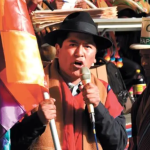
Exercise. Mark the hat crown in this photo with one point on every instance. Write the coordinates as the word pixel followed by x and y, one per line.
pixel 82 18
pixel 79 17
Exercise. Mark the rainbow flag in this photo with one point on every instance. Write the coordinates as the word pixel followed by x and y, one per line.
pixel 21 70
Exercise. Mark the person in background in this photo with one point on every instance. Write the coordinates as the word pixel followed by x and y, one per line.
pixel 140 113
pixel 76 43
pixel 131 59
pixel 56 4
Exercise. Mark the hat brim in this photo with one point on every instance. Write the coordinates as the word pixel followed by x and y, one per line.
pixel 101 42
pixel 139 46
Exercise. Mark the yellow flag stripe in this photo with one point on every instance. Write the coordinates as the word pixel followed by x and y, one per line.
pixel 23 63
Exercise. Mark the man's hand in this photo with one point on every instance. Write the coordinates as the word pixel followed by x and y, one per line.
pixel 91 94
pixel 47 110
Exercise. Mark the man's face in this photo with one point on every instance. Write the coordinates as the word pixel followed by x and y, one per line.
pixel 77 51
pixel 145 61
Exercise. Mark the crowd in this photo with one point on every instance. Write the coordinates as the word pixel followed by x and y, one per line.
pixel 64 52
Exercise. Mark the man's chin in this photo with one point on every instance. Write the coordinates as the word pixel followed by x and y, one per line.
pixel 76 74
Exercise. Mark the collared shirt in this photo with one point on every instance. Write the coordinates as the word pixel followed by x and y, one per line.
pixel 74 88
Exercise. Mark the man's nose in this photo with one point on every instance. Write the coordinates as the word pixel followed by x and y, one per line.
pixel 79 51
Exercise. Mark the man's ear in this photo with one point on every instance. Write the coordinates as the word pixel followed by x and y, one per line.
pixel 57 49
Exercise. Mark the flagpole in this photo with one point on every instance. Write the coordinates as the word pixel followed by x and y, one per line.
pixel 53 128
pixel 52 122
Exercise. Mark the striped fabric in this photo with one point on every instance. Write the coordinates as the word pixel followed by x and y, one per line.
pixel 21 70
pixel 5 142
pixel 129 133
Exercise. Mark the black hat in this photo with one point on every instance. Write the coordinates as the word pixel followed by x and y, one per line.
pixel 79 22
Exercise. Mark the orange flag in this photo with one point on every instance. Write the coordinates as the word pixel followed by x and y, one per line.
pixel 21 70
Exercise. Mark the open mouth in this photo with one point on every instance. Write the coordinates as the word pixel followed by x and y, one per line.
pixel 78 63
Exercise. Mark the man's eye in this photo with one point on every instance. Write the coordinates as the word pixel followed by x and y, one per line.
pixel 72 45
pixel 87 46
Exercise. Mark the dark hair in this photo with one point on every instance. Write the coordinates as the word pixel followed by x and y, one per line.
pixel 61 38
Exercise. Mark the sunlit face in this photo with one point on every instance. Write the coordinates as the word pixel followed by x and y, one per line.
pixel 145 61
pixel 77 51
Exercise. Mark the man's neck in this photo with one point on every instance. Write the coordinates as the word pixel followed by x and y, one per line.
pixel 75 82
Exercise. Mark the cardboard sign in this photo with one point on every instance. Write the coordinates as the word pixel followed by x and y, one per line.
pixel 100 72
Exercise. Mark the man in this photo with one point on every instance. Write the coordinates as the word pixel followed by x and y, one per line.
pixel 76 43
pixel 140 113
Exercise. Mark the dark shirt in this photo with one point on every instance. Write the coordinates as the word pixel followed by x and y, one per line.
pixel 140 116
